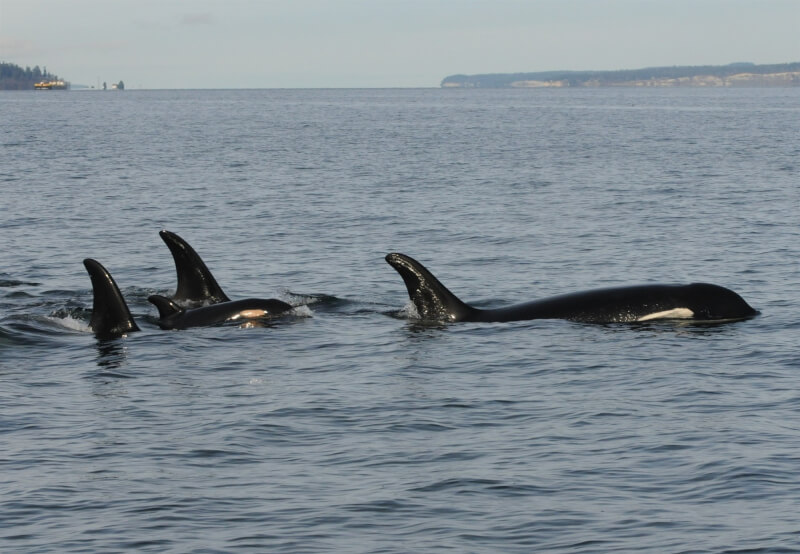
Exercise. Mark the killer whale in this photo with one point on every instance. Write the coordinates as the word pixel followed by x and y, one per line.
pixel 111 317
pixel 174 316
pixel 696 301
pixel 196 285
pixel 199 300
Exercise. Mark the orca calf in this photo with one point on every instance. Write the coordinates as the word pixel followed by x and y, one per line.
pixel 196 284
pixel 111 317
pixel 173 316
pixel 697 301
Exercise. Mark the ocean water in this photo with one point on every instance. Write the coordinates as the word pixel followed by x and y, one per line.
pixel 351 427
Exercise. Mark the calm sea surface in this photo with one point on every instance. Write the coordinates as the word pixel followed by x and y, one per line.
pixel 350 427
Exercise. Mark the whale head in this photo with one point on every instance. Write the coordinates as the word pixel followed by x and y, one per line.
pixel 713 302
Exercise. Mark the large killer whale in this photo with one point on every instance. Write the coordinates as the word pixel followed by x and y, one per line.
pixel 696 301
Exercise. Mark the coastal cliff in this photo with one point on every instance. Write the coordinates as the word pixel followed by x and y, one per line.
pixel 732 75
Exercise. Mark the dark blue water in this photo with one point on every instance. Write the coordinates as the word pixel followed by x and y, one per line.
pixel 350 428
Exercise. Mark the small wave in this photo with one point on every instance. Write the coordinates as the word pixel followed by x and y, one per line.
pixel 10 283
pixel 409 311
pixel 71 323
pixel 298 299
pixel 302 311
pixel 415 323
pixel 72 318
pixel 382 506
pixel 7 337
pixel 469 486
pixel 459 485
pixel 32 329
pixel 16 294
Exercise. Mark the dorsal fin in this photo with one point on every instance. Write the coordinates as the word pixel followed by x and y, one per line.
pixel 196 284
pixel 166 306
pixel 431 298
pixel 110 314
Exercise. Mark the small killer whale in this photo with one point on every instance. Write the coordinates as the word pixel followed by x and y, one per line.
pixel 174 316
pixel 196 285
pixel 696 301
pixel 111 317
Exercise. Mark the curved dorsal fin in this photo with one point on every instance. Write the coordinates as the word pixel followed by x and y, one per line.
pixel 431 298
pixel 111 317
pixel 166 306
pixel 196 284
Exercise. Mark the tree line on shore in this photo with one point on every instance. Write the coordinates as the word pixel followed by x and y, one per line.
pixel 14 77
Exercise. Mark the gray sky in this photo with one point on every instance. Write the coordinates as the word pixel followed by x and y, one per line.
pixel 381 43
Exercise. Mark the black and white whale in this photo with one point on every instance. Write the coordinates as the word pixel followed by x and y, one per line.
pixel 174 316
pixel 196 285
pixel 111 317
pixel 199 300
pixel 697 301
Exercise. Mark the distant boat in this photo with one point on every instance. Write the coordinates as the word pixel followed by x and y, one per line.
pixel 51 85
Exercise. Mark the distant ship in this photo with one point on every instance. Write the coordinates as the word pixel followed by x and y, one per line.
pixel 51 85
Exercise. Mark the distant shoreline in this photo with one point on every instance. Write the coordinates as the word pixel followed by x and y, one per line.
pixel 732 75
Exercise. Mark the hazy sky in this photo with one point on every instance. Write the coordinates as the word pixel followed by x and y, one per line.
pixel 381 43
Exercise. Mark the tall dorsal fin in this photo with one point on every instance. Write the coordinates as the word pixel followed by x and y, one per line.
pixel 431 298
pixel 166 306
pixel 110 314
pixel 196 284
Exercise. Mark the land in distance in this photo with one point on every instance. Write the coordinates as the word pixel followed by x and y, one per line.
pixel 732 75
